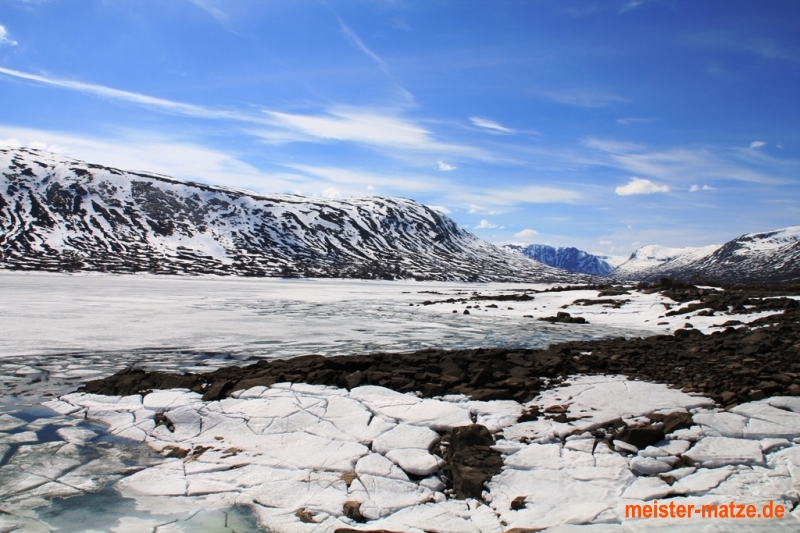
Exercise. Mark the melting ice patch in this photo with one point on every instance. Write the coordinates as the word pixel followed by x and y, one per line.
pixel 294 455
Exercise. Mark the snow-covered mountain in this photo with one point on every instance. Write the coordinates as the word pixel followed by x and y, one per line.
pixel 772 256
pixel 60 214
pixel 570 258
pixel 654 261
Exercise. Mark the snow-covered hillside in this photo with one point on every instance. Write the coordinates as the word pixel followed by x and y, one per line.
pixel 772 256
pixel 659 261
pixel 60 214
pixel 568 258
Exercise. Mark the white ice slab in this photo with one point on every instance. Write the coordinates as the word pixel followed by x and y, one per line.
pixel 308 449
pixel 719 451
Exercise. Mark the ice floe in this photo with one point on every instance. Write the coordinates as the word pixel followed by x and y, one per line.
pixel 315 458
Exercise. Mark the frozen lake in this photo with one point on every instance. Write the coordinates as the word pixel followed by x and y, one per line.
pixel 84 465
pixel 58 330
pixel 50 314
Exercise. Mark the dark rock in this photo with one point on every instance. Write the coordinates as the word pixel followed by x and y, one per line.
pixel 756 395
pixel 176 452
pixel 673 421
pixel 564 318
pixel 485 395
pixel 433 389
pixel 354 379
pixel 469 460
pixel 480 379
pixel 727 397
pixel 769 387
pixel 352 510
pixel 518 503
pixel 641 437
pixel 218 390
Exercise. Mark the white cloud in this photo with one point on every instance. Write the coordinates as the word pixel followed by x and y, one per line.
pixel 356 41
pixel 526 234
pixel 153 152
pixel 735 41
pixel 441 209
pixel 356 180
pixel 211 9
pixel 444 167
pixel 700 163
pixel 4 38
pixel 756 145
pixel 332 192
pixel 695 188
pixel 533 194
pixel 10 142
pixel 583 98
pixel 606 243
pixel 633 120
pixel 55 148
pixel 491 125
pixel 640 186
pixel 633 4
pixel 356 125
pixel 382 129
pixel 137 98
pixel 485 224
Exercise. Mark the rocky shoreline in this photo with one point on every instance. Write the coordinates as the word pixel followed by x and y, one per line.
pixel 739 363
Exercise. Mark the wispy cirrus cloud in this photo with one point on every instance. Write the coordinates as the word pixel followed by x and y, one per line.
pixel 486 200
pixel 633 4
pixel 209 7
pixel 133 97
pixel 505 197
pixel 156 152
pixel 358 44
pixel 490 125
pixel 366 126
pixel 634 120
pixel 735 42
pixel 384 129
pixel 4 38
pixel 358 125
pixel 356 181
pixel 677 165
pixel 582 98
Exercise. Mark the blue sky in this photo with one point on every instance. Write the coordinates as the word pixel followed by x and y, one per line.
pixel 605 125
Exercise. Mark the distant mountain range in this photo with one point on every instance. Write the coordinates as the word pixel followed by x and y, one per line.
pixel 771 256
pixel 570 259
pixel 60 214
